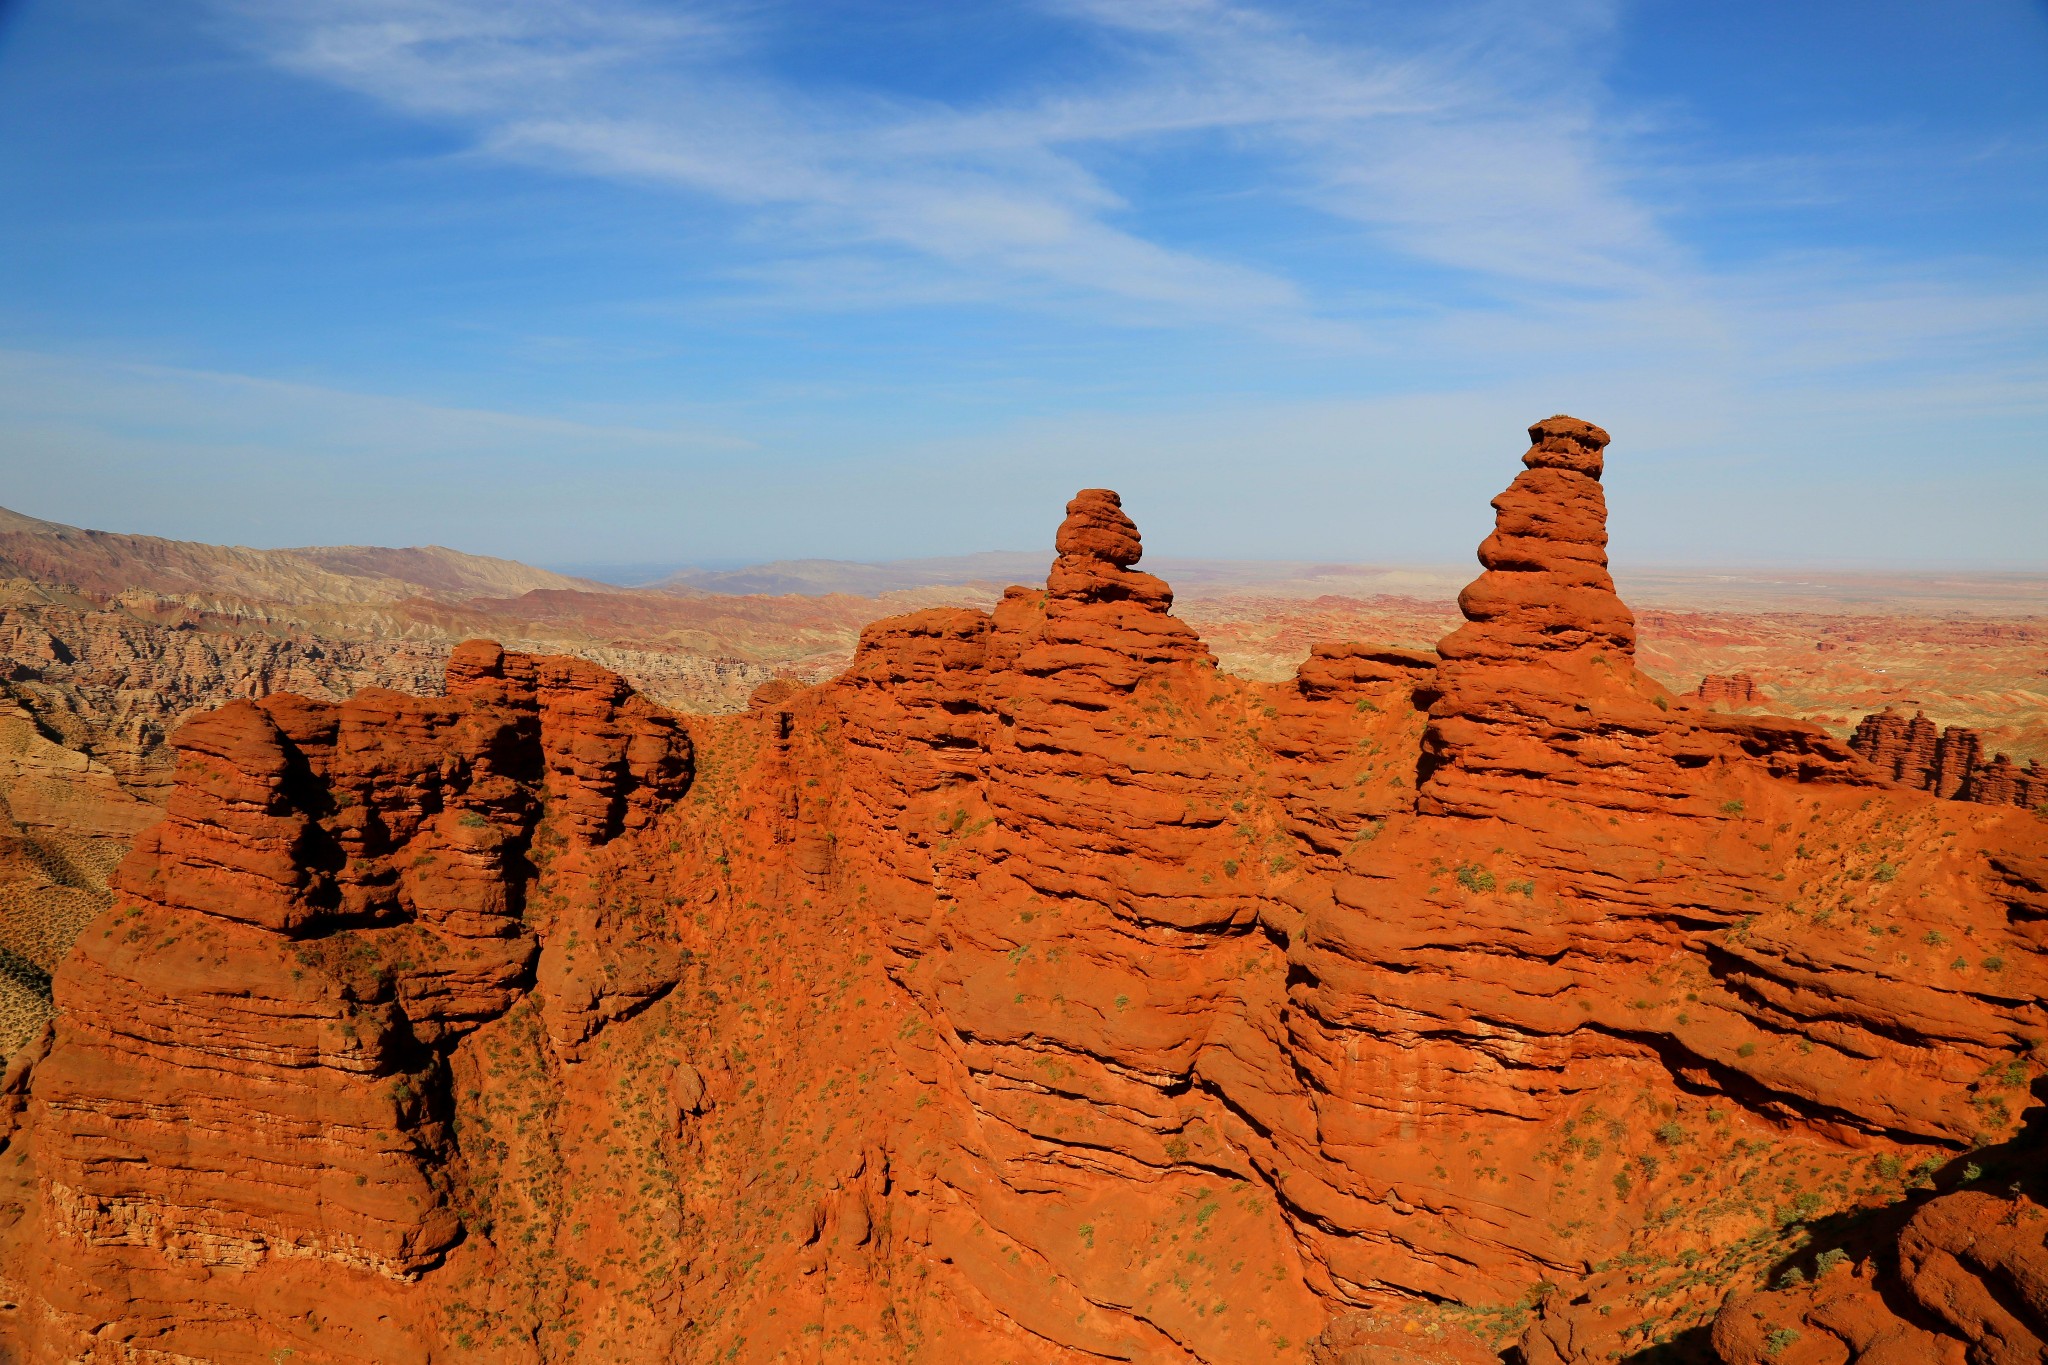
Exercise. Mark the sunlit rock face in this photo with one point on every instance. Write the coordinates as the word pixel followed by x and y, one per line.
pixel 1033 991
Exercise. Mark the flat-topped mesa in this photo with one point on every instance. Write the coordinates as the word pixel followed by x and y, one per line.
pixel 1546 586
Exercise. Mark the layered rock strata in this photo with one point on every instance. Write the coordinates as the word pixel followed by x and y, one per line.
pixel 90 688
pixel 1033 991
pixel 1730 691
pixel 247 1104
pixel 1950 764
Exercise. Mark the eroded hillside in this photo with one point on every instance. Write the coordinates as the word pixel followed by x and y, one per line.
pixel 1035 991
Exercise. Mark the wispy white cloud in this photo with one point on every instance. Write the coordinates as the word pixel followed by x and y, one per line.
pixel 609 89
pixel 1522 243
pixel 1477 140
pixel 1477 143
pixel 1450 148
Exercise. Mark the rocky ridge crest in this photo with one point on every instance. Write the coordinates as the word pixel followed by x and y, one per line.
pixel 1034 991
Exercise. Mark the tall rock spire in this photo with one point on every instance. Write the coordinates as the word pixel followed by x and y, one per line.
pixel 1099 622
pixel 1098 543
pixel 1546 586
pixel 1538 691
pixel 1539 700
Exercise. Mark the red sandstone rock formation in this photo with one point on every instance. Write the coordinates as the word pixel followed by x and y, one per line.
pixel 121 638
pixel 1033 991
pixel 1730 691
pixel 1397 1339
pixel 1961 1283
pixel 1950 765
pixel 2002 782
pixel 1903 750
pixel 246 1104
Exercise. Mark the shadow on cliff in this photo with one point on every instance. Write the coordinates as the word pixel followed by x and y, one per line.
pixel 1693 1346
pixel 2013 1168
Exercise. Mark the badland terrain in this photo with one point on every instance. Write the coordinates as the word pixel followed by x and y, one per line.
pixel 1034 974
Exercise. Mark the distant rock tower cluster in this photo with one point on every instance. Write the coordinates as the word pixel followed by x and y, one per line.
pixel 1950 763
pixel 1729 691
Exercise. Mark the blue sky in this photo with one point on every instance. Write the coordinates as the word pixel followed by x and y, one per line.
pixel 673 282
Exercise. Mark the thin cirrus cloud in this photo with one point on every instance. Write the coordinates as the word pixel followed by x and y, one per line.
pixel 1491 173
pixel 784 289
pixel 1479 144
pixel 1464 149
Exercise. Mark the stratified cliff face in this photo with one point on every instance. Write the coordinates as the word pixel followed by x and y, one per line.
pixel 86 702
pixel 1035 992
pixel 248 1092
pixel 92 683
pixel 1729 690
pixel 1950 763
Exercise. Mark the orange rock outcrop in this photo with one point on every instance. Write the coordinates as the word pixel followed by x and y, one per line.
pixel 1949 764
pixel 1729 690
pixel 1033 991
pixel 1959 1283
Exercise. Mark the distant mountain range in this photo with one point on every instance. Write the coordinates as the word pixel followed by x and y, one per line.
pixel 997 569
pixel 106 562
pixel 1767 588
pixel 818 577
pixel 110 561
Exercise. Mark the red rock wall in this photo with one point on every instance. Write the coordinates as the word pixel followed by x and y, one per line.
pixel 1950 765
pixel 1032 991
pixel 245 1115
pixel 1731 691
